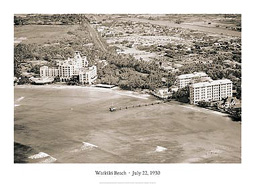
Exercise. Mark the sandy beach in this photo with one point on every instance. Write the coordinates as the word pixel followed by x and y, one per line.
pixel 113 90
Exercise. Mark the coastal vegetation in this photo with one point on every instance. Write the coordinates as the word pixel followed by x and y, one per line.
pixel 182 95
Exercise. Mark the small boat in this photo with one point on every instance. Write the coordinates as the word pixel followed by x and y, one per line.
pixel 112 109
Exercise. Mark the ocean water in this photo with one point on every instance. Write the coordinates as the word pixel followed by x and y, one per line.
pixel 54 124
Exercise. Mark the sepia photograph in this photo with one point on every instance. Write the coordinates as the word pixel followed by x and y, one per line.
pixel 127 88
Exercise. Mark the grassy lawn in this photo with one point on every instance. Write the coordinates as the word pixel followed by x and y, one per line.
pixel 41 34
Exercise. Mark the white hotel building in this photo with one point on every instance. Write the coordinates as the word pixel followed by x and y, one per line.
pixel 88 75
pixel 75 66
pixel 210 91
pixel 45 71
pixel 185 79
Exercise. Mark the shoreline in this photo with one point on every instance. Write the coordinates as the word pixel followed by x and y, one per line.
pixel 202 109
pixel 116 90
pixel 121 92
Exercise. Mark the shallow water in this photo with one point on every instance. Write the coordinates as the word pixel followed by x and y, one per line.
pixel 74 125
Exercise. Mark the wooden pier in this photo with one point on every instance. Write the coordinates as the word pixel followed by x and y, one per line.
pixel 135 106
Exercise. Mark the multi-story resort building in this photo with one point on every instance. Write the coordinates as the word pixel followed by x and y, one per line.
pixel 210 91
pixel 186 79
pixel 45 71
pixel 77 66
pixel 88 75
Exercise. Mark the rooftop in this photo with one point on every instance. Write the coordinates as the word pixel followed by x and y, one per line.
pixel 191 75
pixel 87 69
pixel 211 83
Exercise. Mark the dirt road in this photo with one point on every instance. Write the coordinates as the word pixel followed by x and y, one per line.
pixel 94 35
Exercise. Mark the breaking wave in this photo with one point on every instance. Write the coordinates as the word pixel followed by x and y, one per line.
pixel 160 149
pixel 87 145
pixel 49 160
pixel 40 155
pixel 19 99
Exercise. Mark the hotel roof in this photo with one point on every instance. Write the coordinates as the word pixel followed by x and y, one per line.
pixel 87 69
pixel 191 75
pixel 211 83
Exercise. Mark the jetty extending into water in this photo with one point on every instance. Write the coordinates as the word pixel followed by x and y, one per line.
pixel 112 108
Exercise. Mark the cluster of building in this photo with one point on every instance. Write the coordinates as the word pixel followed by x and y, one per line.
pixel 186 79
pixel 66 69
pixel 203 88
